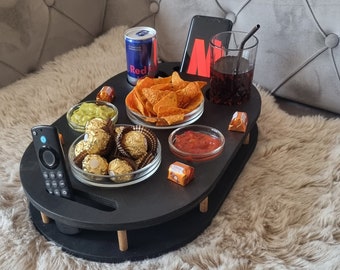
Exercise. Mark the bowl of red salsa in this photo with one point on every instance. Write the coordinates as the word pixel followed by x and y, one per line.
pixel 196 142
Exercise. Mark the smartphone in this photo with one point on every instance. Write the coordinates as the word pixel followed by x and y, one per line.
pixel 196 56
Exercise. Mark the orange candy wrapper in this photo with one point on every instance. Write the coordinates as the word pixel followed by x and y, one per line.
pixel 239 122
pixel 180 173
pixel 107 94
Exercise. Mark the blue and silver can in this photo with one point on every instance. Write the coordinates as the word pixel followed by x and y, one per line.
pixel 141 53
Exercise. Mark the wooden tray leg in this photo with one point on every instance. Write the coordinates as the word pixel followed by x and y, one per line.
pixel 246 139
pixel 122 240
pixel 45 219
pixel 204 205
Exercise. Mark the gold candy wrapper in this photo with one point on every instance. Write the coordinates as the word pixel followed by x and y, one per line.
pixel 95 123
pixel 95 141
pixel 239 122
pixel 118 168
pixel 80 147
pixel 95 164
pixel 135 144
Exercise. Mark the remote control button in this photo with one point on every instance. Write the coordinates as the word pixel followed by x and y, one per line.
pixel 56 192
pixel 54 184
pixel 48 184
pixel 52 175
pixel 45 175
pixel 49 158
pixel 60 174
pixel 62 184
pixel 64 192
pixel 43 139
pixel 50 190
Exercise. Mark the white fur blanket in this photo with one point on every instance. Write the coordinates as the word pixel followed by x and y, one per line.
pixel 282 213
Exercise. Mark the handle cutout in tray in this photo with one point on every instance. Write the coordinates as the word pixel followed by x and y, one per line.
pixel 94 201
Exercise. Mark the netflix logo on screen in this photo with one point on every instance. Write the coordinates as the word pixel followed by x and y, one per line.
pixel 196 58
pixel 199 63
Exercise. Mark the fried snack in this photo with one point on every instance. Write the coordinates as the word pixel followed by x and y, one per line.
pixel 239 122
pixel 165 101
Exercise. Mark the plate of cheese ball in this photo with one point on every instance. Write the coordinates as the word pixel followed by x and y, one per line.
pixel 110 155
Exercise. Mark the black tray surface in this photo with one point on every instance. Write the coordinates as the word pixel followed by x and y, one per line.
pixel 154 205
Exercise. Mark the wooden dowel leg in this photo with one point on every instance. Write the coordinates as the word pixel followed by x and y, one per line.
pixel 45 219
pixel 246 139
pixel 122 240
pixel 204 205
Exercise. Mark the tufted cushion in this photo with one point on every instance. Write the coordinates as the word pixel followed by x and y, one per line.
pixel 298 56
pixel 172 24
pixel 33 32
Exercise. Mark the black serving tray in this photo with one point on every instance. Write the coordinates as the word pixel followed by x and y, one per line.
pixel 157 214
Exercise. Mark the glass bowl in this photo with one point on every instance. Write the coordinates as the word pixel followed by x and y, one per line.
pixel 159 123
pixel 196 143
pixel 94 109
pixel 108 181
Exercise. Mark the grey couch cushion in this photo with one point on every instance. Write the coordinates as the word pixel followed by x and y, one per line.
pixel 33 32
pixel 298 55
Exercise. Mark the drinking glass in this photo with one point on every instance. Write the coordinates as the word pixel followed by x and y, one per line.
pixel 231 67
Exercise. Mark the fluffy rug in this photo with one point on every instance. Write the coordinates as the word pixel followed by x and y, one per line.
pixel 282 213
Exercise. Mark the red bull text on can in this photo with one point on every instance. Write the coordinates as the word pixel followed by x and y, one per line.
pixel 141 53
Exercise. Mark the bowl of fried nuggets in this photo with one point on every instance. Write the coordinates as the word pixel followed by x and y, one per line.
pixel 166 102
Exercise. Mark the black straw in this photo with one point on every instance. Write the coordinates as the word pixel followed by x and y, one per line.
pixel 252 32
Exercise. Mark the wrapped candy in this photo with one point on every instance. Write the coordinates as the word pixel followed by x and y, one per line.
pixel 239 122
pixel 95 123
pixel 180 173
pixel 119 168
pixel 95 164
pixel 135 144
pixel 107 93
pixel 96 141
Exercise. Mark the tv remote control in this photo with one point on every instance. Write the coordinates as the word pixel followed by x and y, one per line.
pixel 51 160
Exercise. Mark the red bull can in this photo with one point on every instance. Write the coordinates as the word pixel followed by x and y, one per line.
pixel 141 53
